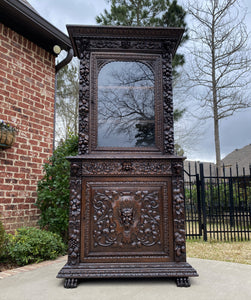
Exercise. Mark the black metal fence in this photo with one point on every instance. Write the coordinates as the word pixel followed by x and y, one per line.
pixel 218 205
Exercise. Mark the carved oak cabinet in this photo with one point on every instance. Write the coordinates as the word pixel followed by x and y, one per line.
pixel 126 186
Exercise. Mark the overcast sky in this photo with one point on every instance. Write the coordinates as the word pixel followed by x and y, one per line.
pixel 235 131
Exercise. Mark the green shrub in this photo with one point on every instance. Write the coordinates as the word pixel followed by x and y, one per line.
pixel 54 189
pixel 2 238
pixel 32 245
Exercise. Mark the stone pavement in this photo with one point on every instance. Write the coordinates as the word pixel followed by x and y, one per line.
pixel 217 280
pixel 27 268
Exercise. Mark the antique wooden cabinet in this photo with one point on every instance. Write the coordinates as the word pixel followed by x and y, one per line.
pixel 126 187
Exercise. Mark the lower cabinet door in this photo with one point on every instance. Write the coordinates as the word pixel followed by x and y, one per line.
pixel 126 220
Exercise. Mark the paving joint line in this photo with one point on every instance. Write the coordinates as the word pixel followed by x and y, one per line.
pixel 27 268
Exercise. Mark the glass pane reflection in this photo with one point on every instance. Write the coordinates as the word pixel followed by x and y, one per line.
pixel 126 105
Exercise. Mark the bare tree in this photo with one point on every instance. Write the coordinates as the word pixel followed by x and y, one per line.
pixel 67 101
pixel 221 60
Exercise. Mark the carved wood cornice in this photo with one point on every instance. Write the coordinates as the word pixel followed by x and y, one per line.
pixel 120 38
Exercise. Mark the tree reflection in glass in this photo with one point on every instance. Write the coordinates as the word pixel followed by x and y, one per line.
pixel 126 105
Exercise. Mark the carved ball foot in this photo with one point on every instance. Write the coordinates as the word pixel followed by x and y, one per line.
pixel 183 282
pixel 70 283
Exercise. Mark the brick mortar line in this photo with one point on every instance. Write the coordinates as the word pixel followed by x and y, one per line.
pixel 27 268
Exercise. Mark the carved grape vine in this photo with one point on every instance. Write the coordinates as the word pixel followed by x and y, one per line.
pixel 84 98
pixel 178 213
pixel 168 103
pixel 74 217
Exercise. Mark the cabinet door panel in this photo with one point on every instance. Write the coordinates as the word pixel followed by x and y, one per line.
pixel 125 218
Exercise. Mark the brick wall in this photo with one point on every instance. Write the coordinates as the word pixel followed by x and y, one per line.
pixel 27 75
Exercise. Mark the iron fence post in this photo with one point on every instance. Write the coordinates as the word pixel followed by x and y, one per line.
pixel 203 202
pixel 198 185
pixel 231 202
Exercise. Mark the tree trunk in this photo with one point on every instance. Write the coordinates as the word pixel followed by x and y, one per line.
pixel 217 145
pixel 215 100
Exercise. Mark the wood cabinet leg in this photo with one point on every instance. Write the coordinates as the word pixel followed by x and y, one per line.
pixel 183 282
pixel 70 283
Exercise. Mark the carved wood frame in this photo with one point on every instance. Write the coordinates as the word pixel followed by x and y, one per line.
pixel 88 49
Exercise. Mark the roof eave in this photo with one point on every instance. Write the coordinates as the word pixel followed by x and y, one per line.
pixel 31 25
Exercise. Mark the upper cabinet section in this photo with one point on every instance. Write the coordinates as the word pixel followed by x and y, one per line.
pixel 125 100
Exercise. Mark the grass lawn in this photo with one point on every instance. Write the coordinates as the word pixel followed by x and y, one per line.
pixel 237 252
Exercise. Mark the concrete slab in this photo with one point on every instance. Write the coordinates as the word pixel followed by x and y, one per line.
pixel 217 280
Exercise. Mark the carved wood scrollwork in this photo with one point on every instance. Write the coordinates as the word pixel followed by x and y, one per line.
pixel 168 103
pixel 169 46
pixel 126 218
pixel 121 44
pixel 178 214
pixel 74 217
pixel 118 167
pixel 84 98
pixel 92 44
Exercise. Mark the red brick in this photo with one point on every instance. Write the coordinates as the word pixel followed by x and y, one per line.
pixel 31 188
pixel 19 187
pixel 26 71
pixel 6 201
pixel 5 187
pixel 24 206
pixel 18 200
pixel 9 220
pixel 7 162
pixel 21 152
pixel 19 175
pixel 11 207
pixel 11 180
pixel 19 163
pixel 25 170
pixel 12 169
pixel 4 93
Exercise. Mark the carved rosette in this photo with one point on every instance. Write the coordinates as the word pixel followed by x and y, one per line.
pixel 168 103
pixel 84 98
pixel 76 170
pixel 126 218
pixel 74 217
pixel 179 213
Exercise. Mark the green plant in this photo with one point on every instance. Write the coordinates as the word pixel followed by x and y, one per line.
pixel 7 134
pixel 7 127
pixel 54 190
pixel 32 245
pixel 2 238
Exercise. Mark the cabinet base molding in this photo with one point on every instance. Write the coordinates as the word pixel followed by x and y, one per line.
pixel 179 271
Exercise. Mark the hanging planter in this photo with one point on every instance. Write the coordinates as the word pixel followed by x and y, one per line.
pixel 7 135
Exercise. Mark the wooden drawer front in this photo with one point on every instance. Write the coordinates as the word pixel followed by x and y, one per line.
pixel 126 218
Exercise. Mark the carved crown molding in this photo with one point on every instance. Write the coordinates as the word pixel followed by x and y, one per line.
pixel 124 44
pixel 124 38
